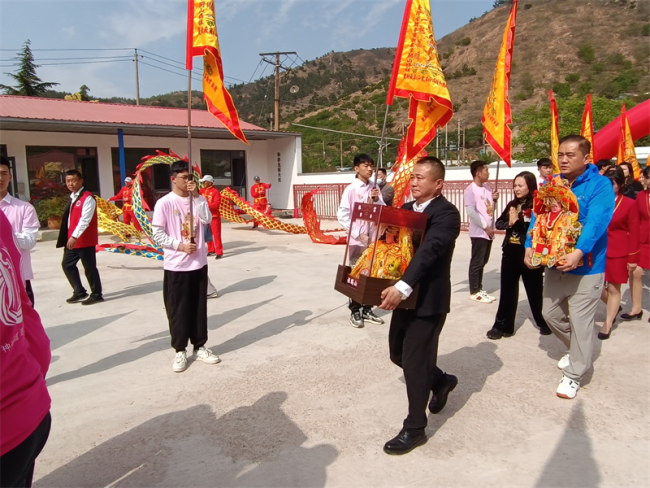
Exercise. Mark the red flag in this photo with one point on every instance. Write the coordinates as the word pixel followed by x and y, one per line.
pixel 417 75
pixel 202 40
pixel 587 130
pixel 555 134
pixel 497 114
pixel 626 152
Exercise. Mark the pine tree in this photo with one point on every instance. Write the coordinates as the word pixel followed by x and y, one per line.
pixel 29 85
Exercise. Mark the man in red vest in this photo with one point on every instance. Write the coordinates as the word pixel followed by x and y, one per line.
pixel 260 202
pixel 126 195
pixel 213 197
pixel 78 237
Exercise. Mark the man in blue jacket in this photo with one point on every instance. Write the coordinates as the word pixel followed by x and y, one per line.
pixel 572 289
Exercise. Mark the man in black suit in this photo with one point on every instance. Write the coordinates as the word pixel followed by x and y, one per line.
pixel 413 336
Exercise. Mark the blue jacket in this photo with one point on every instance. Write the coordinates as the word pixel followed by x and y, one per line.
pixel 596 198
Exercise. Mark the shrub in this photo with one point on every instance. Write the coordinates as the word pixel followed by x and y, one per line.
pixel 562 90
pixel 528 6
pixel 51 207
pixel 572 77
pixel 465 41
pixel 645 30
pixel 616 59
pixel 598 67
pixel 448 53
pixel 585 89
pixel 586 53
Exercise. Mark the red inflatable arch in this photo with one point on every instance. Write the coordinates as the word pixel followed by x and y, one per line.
pixel 606 139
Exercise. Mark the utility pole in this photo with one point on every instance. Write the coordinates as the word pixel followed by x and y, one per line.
pixel 464 140
pixel 341 147
pixel 137 79
pixel 276 63
pixel 458 146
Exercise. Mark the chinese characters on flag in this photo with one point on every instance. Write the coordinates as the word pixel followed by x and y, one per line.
pixel 202 40
pixel 496 114
pixel 417 75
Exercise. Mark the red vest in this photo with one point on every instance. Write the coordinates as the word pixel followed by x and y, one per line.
pixel 90 235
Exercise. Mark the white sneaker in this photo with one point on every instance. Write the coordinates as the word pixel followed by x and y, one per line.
pixel 564 362
pixel 484 294
pixel 204 354
pixel 213 295
pixel 477 297
pixel 567 388
pixel 180 362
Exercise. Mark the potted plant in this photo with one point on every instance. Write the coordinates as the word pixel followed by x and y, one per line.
pixel 51 209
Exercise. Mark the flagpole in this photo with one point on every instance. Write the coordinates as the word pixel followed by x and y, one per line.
pixel 496 188
pixel 189 148
pixel 381 141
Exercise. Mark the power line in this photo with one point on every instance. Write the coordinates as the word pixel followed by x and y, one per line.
pixel 170 71
pixel 75 49
pixel 39 60
pixel 68 63
pixel 343 132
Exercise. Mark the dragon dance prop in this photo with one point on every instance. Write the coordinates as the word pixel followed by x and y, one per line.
pixel 108 215
pixel 556 230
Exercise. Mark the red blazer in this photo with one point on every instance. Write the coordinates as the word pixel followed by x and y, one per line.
pixel 213 197
pixel 623 230
pixel 643 204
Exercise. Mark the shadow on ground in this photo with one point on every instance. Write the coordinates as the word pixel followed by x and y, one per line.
pixel 257 445
pixel 472 366
pixel 136 290
pixel 247 284
pixel 60 335
pixel 572 462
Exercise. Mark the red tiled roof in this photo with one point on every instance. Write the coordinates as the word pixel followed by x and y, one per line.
pixel 36 108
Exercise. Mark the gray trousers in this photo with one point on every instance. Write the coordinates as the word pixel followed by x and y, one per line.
pixel 569 308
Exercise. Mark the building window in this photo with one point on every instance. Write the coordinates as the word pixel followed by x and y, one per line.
pixel 155 179
pixel 46 166
pixel 228 168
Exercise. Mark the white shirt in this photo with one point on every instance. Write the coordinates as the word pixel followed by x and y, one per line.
pixel 401 286
pixel 87 212
pixel 355 192
pixel 25 225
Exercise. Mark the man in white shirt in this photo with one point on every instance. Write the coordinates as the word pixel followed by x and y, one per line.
pixel 545 169
pixel 23 220
pixel 361 190
pixel 78 237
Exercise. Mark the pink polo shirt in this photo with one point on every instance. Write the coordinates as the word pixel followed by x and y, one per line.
pixel 24 351
pixel 25 225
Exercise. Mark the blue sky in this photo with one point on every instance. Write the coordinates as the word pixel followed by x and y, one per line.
pixel 245 27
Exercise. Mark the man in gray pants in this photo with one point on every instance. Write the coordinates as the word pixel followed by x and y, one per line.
pixel 572 289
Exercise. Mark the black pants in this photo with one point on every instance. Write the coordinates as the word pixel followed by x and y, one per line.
pixel 480 257
pixel 185 294
pixel 355 253
pixel 17 465
pixel 512 268
pixel 30 292
pixel 413 343
pixel 88 257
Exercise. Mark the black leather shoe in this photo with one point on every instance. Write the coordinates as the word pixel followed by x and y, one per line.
pixel 405 442
pixel 77 297
pixel 440 393
pixel 496 334
pixel 93 299
pixel 636 316
pixel 219 256
pixel 545 330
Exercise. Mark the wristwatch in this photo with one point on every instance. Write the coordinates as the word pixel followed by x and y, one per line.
pixel 402 295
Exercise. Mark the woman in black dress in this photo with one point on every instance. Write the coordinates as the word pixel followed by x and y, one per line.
pixel 515 220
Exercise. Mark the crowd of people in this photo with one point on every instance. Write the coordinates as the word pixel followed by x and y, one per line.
pixel 613 249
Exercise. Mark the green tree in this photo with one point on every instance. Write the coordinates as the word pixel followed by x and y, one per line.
pixel 586 53
pixel 29 85
pixel 534 123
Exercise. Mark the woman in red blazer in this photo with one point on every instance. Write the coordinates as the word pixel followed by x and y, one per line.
pixel 622 249
pixel 636 275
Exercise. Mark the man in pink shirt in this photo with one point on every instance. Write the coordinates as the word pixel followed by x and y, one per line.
pixel 24 359
pixel 479 205
pixel 24 223
pixel 185 285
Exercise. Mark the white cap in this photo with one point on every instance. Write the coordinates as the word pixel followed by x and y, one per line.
pixel 207 178
pixel 128 179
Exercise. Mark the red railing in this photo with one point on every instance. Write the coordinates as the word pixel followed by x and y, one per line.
pixel 327 203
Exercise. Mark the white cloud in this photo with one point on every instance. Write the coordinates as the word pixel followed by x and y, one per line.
pixel 146 21
pixel 68 30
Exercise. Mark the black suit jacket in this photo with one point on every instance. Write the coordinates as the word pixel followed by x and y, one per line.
pixel 431 264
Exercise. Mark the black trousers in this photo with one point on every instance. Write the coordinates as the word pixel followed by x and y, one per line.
pixel 480 257
pixel 17 465
pixel 413 344
pixel 185 294
pixel 355 253
pixel 88 257
pixel 512 268
pixel 30 292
